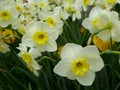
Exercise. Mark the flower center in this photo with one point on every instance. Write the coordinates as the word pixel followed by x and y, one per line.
pixel 80 66
pixel 111 1
pixel 42 4
pixel 5 15
pixel 86 2
pixel 95 22
pixel 69 9
pixel 50 21
pixel 40 37
pixel 18 8
pixel 26 57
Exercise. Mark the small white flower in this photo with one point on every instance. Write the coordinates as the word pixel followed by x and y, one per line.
pixel 79 63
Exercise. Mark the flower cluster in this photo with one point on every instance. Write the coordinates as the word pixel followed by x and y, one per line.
pixel 41 22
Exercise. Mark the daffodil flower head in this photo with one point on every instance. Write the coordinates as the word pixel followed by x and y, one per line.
pixel 8 14
pixel 40 36
pixel 79 63
pixel 106 4
pixel 28 56
pixel 52 18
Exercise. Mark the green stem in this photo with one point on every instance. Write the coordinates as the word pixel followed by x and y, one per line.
pixel 110 52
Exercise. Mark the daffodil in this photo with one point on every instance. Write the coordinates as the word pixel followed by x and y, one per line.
pixel 85 3
pixel 106 4
pixel 61 12
pixel 106 21
pixel 39 35
pixel 43 4
pixel 8 14
pixel 29 58
pixel 51 18
pixel 79 63
pixel 74 10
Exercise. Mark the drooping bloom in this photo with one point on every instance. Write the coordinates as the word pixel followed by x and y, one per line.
pixel 79 63
pixel 105 21
pixel 28 56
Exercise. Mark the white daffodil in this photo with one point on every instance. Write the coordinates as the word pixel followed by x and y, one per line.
pixel 8 13
pixel 73 10
pixel 79 63
pixel 29 58
pixel 106 4
pixel 62 13
pixel 19 6
pixel 43 4
pixel 106 20
pixel 97 20
pixel 39 35
pixel 52 19
pixel 85 3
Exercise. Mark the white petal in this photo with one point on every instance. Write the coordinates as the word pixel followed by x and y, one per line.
pixel 87 79
pixel 53 34
pixel 92 56
pixel 34 52
pixel 87 23
pixel 62 68
pixel 70 50
pixel 104 36
pixel 36 73
pixel 22 47
pixel 70 75
pixel 116 31
pixel 35 65
pixel 51 46
pixel 27 40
